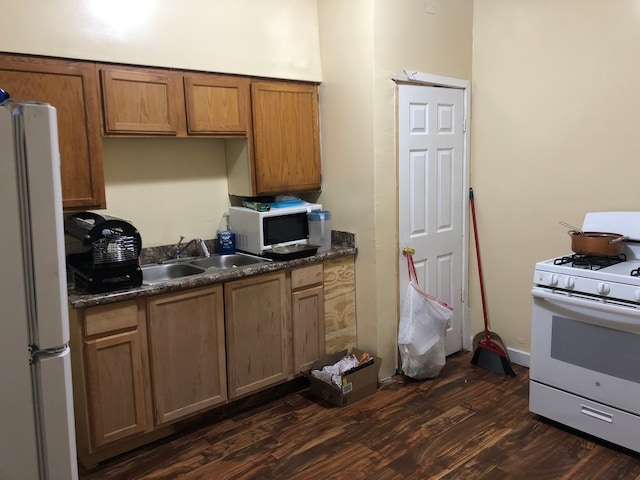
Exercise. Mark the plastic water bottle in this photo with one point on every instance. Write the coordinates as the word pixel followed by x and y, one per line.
pixel 226 237
pixel 320 229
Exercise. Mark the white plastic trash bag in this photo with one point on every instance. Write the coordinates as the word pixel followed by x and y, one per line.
pixel 424 320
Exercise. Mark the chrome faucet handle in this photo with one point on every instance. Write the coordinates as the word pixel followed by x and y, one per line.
pixel 178 247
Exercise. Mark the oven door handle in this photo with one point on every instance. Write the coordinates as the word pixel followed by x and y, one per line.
pixel 579 302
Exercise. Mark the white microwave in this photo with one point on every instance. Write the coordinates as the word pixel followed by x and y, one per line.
pixel 258 231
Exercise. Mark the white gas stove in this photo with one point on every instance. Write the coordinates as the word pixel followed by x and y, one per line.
pixel 585 337
pixel 607 277
pixel 608 282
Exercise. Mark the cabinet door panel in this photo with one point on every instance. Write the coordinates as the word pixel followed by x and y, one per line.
pixel 143 102
pixel 217 105
pixel 116 388
pixel 257 315
pixel 186 336
pixel 340 304
pixel 72 88
pixel 286 137
pixel 308 327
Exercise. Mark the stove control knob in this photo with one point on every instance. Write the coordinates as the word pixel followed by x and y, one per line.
pixel 553 280
pixel 603 289
pixel 570 282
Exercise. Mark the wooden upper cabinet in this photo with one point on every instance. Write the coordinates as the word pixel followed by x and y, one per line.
pixel 142 101
pixel 286 137
pixel 72 88
pixel 217 104
pixel 146 101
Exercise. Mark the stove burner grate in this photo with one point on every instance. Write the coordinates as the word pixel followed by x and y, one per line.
pixel 635 272
pixel 591 262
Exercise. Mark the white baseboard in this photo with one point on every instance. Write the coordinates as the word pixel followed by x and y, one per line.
pixel 519 357
pixel 515 356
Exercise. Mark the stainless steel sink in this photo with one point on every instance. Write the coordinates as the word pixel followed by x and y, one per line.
pixel 227 261
pixel 164 272
pixel 152 274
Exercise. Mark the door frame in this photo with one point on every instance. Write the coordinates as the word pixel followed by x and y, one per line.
pixel 413 77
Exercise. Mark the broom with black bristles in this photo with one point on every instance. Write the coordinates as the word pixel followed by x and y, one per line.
pixel 490 352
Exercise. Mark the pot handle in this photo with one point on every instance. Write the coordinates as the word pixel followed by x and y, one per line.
pixel 571 228
pixel 619 239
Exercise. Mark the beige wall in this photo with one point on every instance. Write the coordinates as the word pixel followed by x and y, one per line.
pixel 167 187
pixel 278 38
pixel 555 116
pixel 363 45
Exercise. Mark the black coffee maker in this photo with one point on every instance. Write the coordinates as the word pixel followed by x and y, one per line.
pixel 109 253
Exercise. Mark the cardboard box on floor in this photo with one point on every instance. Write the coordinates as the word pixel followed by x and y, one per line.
pixel 355 385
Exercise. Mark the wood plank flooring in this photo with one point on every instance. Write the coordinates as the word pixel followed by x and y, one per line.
pixel 468 423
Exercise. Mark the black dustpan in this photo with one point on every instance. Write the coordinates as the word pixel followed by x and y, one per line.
pixel 490 351
pixel 490 355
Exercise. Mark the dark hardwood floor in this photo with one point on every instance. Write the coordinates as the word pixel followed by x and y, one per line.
pixel 468 423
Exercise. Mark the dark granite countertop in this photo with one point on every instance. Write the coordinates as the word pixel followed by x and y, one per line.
pixel 82 299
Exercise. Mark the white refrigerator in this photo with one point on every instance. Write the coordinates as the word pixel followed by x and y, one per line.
pixel 37 435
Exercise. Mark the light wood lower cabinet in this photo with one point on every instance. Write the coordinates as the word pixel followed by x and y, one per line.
pixel 307 316
pixel 186 343
pixel 140 366
pixel 110 372
pixel 257 314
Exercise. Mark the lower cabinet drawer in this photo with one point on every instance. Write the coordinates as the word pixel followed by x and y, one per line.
pixel 306 276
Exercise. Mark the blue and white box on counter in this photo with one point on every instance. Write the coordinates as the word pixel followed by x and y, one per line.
pixel 259 231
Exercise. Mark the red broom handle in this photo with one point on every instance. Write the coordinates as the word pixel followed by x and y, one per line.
pixel 475 235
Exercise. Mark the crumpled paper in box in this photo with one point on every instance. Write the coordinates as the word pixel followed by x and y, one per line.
pixel 333 373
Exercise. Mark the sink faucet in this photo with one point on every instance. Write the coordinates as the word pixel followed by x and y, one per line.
pixel 179 249
pixel 203 247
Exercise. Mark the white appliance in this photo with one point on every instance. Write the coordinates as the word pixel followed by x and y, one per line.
pixel 585 337
pixel 37 436
pixel 259 231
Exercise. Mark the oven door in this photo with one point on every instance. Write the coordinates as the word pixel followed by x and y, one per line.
pixel 586 346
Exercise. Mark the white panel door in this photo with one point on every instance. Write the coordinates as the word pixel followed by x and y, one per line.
pixel 430 184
